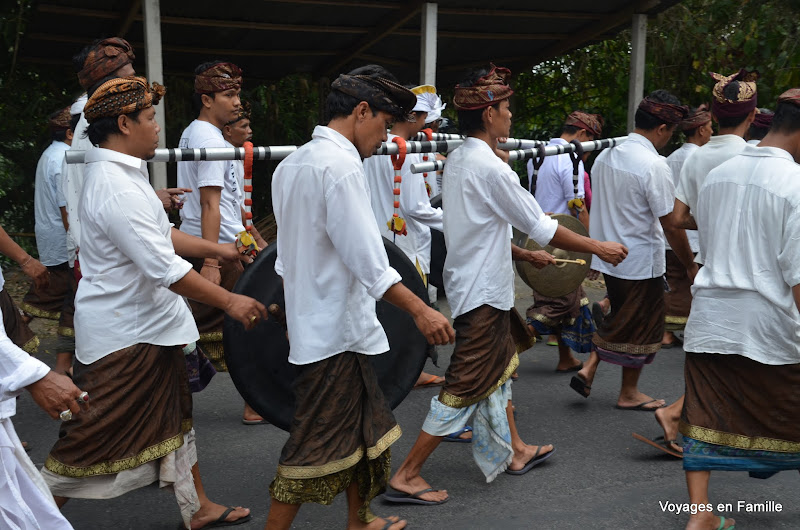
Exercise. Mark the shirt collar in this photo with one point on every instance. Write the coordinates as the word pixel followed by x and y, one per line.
pixel 99 154
pixel 558 141
pixel 325 132
pixel 774 152
pixel 639 139
pixel 726 139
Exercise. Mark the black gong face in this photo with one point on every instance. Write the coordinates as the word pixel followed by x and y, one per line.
pixel 438 250
pixel 258 360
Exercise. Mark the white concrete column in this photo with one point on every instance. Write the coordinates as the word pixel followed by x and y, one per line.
pixel 427 60
pixel 151 14
pixel 638 49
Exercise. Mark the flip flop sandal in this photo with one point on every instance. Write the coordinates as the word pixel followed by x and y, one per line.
pixel 575 368
pixel 430 382
pixel 533 462
pixel 220 522
pixel 660 443
pixel 579 385
pixel 455 437
pixel 640 406
pixel 399 497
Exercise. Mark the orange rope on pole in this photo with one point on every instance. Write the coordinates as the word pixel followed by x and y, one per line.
pixel 397 224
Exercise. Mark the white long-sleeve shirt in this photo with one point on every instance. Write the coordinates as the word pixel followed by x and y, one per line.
pixel 330 253
pixel 415 205
pixel 128 263
pixel 748 216
pixel 481 197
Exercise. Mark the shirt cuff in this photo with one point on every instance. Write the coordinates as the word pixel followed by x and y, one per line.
pixel 544 230
pixel 176 271
pixel 27 372
pixel 386 280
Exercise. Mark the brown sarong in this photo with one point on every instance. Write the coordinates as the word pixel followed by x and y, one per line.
pixel 631 335
pixel 16 328
pixel 679 297
pixel 555 312
pixel 488 341
pixel 140 409
pixel 341 432
pixel 210 319
pixel 737 402
pixel 57 302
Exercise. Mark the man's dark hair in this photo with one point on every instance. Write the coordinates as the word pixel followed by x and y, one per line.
pixel 730 122
pixel 79 59
pixel 786 119
pixel 648 122
pixel 471 121
pixel 572 129
pixel 341 105
pixel 756 133
pixel 73 121
pixel 197 99
pixel 60 135
pixel 99 131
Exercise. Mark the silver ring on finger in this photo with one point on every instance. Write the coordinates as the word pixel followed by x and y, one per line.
pixel 66 415
pixel 83 398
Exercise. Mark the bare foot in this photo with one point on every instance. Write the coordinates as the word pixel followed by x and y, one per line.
pixel 380 523
pixel 670 426
pixel 584 375
pixel 524 455
pixel 412 485
pixel 646 402
pixel 211 511
pixel 426 379
pixel 250 415
pixel 565 365
pixel 552 340
pixel 707 521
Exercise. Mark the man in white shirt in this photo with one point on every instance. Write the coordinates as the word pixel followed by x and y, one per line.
pixel 132 322
pixel 734 108
pixel 632 201
pixel 334 268
pixel 567 320
pixel 27 502
pixel 743 335
pixel 697 130
pixel 213 210
pixel 481 198
pixel 56 301
pixel 414 203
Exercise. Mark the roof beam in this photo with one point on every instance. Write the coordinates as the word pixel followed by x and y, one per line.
pixel 484 36
pixel 340 3
pixel 193 49
pixel 589 32
pixel 393 21
pixel 515 13
pixel 127 22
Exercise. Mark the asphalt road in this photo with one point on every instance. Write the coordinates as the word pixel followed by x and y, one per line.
pixel 599 478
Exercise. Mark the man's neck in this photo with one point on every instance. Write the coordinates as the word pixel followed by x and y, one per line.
pixel 117 143
pixel 695 141
pixel 788 143
pixel 568 137
pixel 650 135
pixel 735 131
pixel 486 137
pixel 205 115
pixel 404 130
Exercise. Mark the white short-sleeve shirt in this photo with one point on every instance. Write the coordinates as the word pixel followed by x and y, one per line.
pixel 221 174
pixel 748 216
pixel 675 162
pixel 554 186
pixel 482 198
pixel 631 189
pixel 51 237
pixel 330 253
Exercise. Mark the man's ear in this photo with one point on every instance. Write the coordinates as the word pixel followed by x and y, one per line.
pixel 362 111
pixel 70 134
pixel 123 123
pixel 206 100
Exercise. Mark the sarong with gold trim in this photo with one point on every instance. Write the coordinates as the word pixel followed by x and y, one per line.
pixel 477 382
pixel 631 334
pixel 740 415
pixel 567 316
pixel 679 297
pixel 56 302
pixel 139 411
pixel 210 319
pixel 16 328
pixel 341 432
